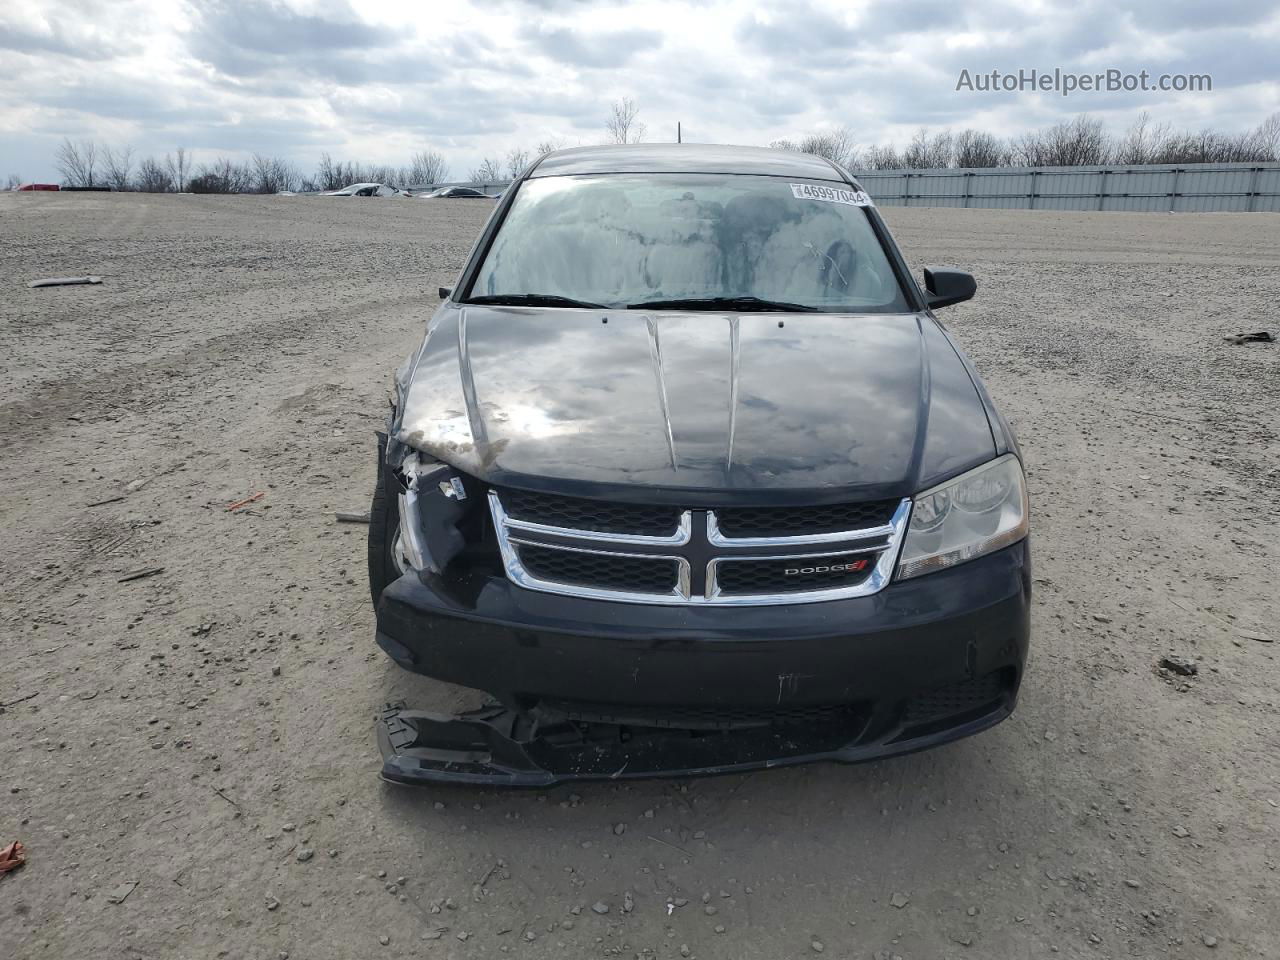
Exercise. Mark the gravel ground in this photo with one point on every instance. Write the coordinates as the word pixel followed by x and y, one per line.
pixel 197 744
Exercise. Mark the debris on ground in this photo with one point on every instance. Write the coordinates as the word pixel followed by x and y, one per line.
pixel 1258 336
pixel 139 574
pixel 899 900
pixel 247 500
pixel 12 857
pixel 1183 666
pixel 63 282
pixel 344 517
pixel 121 893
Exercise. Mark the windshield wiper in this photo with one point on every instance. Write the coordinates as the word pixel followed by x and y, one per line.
pixel 533 300
pixel 724 303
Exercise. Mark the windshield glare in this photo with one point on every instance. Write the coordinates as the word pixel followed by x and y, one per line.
pixel 624 239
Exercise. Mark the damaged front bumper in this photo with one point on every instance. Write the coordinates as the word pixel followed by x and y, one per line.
pixel 587 694
pixel 496 746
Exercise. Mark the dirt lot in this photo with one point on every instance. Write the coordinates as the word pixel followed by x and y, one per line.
pixel 199 731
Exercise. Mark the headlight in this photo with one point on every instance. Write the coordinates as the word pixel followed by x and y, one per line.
pixel 974 514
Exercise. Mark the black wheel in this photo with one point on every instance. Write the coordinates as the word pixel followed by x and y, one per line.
pixel 385 562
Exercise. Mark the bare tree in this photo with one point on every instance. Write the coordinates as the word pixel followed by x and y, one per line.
pixel 153 177
pixel 117 166
pixel 178 165
pixel 517 160
pixel 272 174
pixel 223 176
pixel 977 148
pixel 76 161
pixel 882 157
pixel 1267 138
pixel 549 145
pixel 1071 143
pixel 14 182
pixel 489 171
pixel 427 166
pixel 326 176
pixel 622 125
pixel 929 151
pixel 837 145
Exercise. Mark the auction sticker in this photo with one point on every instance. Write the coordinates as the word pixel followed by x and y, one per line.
pixel 813 191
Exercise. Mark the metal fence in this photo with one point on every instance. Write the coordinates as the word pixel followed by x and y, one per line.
pixel 1190 187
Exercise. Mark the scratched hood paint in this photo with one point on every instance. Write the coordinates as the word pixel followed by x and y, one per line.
pixel 693 406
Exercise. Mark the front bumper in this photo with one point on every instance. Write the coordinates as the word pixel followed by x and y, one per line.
pixel 596 689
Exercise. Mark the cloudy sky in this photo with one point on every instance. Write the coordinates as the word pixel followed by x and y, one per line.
pixel 375 80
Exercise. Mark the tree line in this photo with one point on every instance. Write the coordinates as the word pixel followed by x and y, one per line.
pixel 84 163
pixel 1079 141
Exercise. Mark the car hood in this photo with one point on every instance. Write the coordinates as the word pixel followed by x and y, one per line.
pixel 692 406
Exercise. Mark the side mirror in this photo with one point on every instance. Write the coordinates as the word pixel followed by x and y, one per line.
pixel 444 292
pixel 946 286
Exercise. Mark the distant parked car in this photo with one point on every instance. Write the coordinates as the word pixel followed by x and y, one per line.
pixel 453 192
pixel 365 190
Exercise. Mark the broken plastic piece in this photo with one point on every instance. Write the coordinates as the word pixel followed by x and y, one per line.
pixel 63 282
pixel 12 857
pixel 139 574
pixel 1258 336
pixel 428 515
pixel 121 893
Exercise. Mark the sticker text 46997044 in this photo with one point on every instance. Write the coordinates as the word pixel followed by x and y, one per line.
pixel 814 191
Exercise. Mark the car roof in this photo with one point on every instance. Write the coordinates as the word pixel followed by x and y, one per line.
pixel 686 158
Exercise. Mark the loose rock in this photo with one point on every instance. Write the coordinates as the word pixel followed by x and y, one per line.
pixel 1183 666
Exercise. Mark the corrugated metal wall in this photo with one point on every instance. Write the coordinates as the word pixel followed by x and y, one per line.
pixel 1190 188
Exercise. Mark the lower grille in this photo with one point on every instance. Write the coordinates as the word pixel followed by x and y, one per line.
pixel 607 571
pixel 956 699
pixel 707 717
pixel 745 577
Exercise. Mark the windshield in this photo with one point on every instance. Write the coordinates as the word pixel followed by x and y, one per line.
pixel 622 240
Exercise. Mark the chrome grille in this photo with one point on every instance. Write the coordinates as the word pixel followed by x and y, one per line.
pixel 580 514
pixel 593 569
pixel 747 577
pixel 798 521
pixel 622 552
